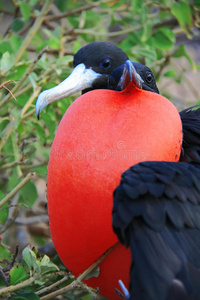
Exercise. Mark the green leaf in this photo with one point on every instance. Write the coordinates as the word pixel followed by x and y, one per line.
pixel 47 266
pixel 5 256
pixel 25 10
pixel 21 129
pixel 7 61
pixel 182 12
pixel 1 195
pixel 54 38
pixel 29 258
pixel 197 3
pixel 33 2
pixel 62 5
pixel 38 40
pixel 18 72
pixel 161 41
pixel 3 210
pixel 181 51
pixel 29 194
pixel 17 274
pixel 137 5
pixel 25 296
pixel 93 273
pixel 76 45
pixel 15 41
pixel 17 24
pixel 5 46
pixel 168 33
pixel 150 53
pixel 33 78
pixel 170 73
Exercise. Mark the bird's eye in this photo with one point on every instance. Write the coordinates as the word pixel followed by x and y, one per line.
pixel 105 64
pixel 149 77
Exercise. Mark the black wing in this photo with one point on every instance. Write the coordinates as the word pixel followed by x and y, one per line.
pixel 190 118
pixel 157 214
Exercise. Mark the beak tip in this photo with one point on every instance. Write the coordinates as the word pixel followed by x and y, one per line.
pixel 130 74
pixel 38 109
pixel 41 103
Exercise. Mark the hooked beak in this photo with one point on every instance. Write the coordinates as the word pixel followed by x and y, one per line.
pixel 80 79
pixel 130 74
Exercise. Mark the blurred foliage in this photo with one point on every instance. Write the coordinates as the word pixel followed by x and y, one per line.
pixel 37 41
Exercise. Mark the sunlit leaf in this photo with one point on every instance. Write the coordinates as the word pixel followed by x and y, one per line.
pixel 18 72
pixel 183 14
pixel 150 53
pixel 6 61
pixel 25 10
pixel 29 258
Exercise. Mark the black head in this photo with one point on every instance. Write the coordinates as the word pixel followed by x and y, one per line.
pixel 92 66
pixel 143 71
pixel 103 58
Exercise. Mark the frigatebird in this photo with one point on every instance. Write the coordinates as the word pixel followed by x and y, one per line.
pixel 156 213
pixel 145 185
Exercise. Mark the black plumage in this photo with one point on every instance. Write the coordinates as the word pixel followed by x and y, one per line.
pixel 190 118
pixel 156 213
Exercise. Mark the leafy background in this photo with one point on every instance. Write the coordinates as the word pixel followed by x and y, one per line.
pixel 37 41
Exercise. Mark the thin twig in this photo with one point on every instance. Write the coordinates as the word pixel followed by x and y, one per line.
pixel 30 101
pixel 26 74
pixel 76 283
pixel 12 164
pixel 3 276
pixel 162 66
pixel 108 34
pixel 32 220
pixel 52 286
pixel 28 114
pixel 28 177
pixel 11 263
pixel 38 165
pixel 75 11
pixel 12 214
pixel 17 286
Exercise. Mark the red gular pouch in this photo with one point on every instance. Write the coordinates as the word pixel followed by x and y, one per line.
pixel 102 134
